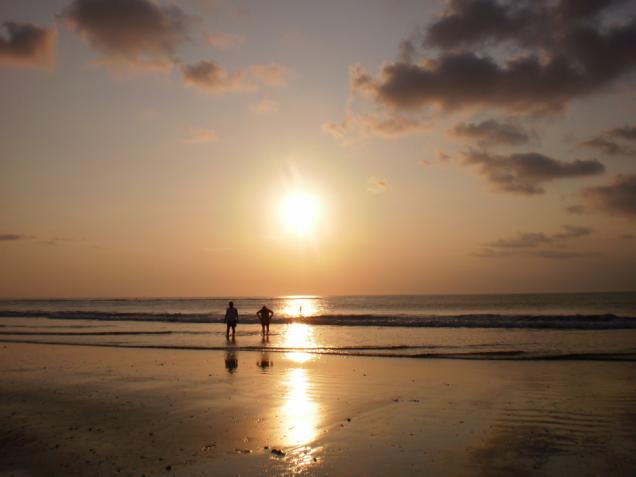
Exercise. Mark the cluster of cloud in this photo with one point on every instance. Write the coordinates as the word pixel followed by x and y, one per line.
pixel 138 35
pixel 27 45
pixel 491 133
pixel 558 52
pixel 525 173
pixel 606 142
pixel 538 244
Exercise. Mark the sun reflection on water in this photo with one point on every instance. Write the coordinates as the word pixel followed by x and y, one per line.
pixel 298 335
pixel 300 307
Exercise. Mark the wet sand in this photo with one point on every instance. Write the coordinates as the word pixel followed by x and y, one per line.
pixel 82 410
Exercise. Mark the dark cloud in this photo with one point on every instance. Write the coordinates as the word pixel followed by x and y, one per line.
pixel 618 197
pixel 14 237
pixel 524 173
pixel 491 132
pixel 27 45
pixel 212 78
pixel 132 33
pixel 538 244
pixel 558 53
pixel 608 147
pixel 624 132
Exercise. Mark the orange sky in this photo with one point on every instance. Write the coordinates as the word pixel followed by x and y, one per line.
pixel 146 147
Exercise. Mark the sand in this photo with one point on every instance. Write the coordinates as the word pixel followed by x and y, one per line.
pixel 82 410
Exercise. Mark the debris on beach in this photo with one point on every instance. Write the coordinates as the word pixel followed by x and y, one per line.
pixel 278 452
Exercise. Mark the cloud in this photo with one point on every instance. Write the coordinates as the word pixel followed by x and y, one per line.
pixel 200 136
pixel 27 45
pixel 14 237
pixel 617 198
pixel 130 33
pixel 606 141
pixel 556 53
pixel 375 125
pixel 264 106
pixel 524 173
pixel 491 132
pixel 538 244
pixel 377 185
pixel 608 147
pixel 623 132
pixel 212 78
pixel 224 41
pixel 533 240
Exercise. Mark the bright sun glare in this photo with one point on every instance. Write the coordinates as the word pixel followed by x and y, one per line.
pixel 299 213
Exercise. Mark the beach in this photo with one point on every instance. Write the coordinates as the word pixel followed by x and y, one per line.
pixel 101 410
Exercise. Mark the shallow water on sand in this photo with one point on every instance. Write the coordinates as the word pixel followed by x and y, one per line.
pixel 308 340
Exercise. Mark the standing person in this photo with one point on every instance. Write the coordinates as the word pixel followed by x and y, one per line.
pixel 231 319
pixel 265 315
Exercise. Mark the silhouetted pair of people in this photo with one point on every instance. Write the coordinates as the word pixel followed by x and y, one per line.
pixel 232 318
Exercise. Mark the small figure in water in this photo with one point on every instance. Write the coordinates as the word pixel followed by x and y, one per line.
pixel 265 315
pixel 231 319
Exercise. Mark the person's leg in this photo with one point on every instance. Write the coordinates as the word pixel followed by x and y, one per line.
pixel 233 331
pixel 267 329
pixel 227 332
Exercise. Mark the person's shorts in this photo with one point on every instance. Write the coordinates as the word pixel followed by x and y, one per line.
pixel 231 323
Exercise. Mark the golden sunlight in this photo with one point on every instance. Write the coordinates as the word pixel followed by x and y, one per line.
pixel 299 213
pixel 298 335
pixel 299 307
pixel 300 411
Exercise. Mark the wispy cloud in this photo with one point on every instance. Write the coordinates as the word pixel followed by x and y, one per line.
pixel 210 77
pixel 377 185
pixel 224 41
pixel 200 136
pixel 538 244
pixel 264 106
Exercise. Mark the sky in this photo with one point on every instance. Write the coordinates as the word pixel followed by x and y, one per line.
pixel 234 148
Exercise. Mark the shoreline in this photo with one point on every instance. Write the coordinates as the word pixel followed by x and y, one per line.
pixel 317 351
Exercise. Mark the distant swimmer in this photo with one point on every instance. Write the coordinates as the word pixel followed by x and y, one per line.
pixel 231 319
pixel 265 315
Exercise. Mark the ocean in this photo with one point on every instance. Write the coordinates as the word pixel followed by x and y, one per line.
pixel 599 326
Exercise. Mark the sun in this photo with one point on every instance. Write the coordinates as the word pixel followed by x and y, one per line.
pixel 299 213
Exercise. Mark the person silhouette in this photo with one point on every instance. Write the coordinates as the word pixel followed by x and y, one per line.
pixel 231 319
pixel 265 315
